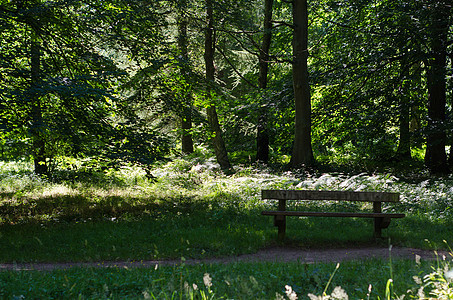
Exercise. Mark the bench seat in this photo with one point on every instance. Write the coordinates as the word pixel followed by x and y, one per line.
pixel 331 214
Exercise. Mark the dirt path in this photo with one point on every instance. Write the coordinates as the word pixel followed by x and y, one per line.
pixel 276 254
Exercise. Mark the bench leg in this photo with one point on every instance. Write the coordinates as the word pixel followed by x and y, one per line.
pixel 280 222
pixel 377 208
pixel 379 224
pixel 377 228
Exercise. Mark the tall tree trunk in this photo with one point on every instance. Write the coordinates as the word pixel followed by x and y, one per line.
pixel 302 151
pixel 450 158
pixel 404 146
pixel 217 139
pixel 39 153
pixel 435 156
pixel 450 83
pixel 262 136
pixel 186 138
pixel 186 120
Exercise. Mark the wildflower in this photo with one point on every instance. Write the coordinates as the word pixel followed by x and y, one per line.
pixel 146 295
pixel 421 293
pixel 278 297
pixel 417 259
pixel 449 274
pixel 314 297
pixel 290 293
pixel 417 280
pixel 370 287
pixel 339 293
pixel 207 280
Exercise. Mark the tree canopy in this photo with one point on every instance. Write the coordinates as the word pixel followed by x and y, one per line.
pixel 129 81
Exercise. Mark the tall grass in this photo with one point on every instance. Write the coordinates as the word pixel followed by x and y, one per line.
pixel 367 279
pixel 198 177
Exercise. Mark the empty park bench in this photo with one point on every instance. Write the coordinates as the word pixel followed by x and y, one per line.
pixel 381 220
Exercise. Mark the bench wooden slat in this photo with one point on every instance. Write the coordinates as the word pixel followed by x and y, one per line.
pixel 330 195
pixel 332 214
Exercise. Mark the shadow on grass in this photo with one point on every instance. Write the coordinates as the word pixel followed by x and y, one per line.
pixel 79 228
pixel 170 230
pixel 68 208
pixel 411 231
pixel 423 232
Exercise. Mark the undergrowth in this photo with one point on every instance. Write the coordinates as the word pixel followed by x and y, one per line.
pixel 190 209
pixel 191 180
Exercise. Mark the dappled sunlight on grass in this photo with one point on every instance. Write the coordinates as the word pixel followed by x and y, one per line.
pixel 191 200
pixel 57 190
pixel 192 210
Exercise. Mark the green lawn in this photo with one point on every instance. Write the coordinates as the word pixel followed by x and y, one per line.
pixel 200 213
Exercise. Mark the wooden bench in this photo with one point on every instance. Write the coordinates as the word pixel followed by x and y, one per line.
pixel 381 220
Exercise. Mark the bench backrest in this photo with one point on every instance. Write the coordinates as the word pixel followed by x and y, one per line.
pixel 330 195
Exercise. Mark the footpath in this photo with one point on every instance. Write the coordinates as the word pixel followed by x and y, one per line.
pixel 275 254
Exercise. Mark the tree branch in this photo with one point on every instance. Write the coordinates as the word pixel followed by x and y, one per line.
pixel 234 68
pixel 239 31
pixel 282 23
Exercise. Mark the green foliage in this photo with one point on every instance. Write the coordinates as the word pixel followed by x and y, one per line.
pixel 194 211
pixel 191 209
pixel 363 75
pixel 79 108
pixel 240 280
pixel 113 80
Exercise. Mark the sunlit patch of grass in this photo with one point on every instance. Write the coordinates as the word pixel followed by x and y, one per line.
pixel 56 190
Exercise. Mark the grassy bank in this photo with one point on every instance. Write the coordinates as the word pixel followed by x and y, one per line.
pixel 192 210
pixel 359 280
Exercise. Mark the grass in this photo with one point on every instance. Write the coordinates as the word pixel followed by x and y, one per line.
pixel 194 211
pixel 217 281
pixel 145 238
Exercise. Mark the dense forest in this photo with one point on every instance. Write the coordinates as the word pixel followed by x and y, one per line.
pixel 138 138
pixel 299 82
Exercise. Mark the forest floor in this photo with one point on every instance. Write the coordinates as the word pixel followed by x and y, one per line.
pixel 273 254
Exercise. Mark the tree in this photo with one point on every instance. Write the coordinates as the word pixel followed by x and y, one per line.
pixel 262 137
pixel 368 75
pixel 19 14
pixel 404 146
pixel 302 151
pixel 217 140
pixel 435 156
pixel 186 119
pixel 37 124
pixel 64 98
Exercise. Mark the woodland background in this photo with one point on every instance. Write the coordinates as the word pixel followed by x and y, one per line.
pixel 123 121
pixel 301 84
